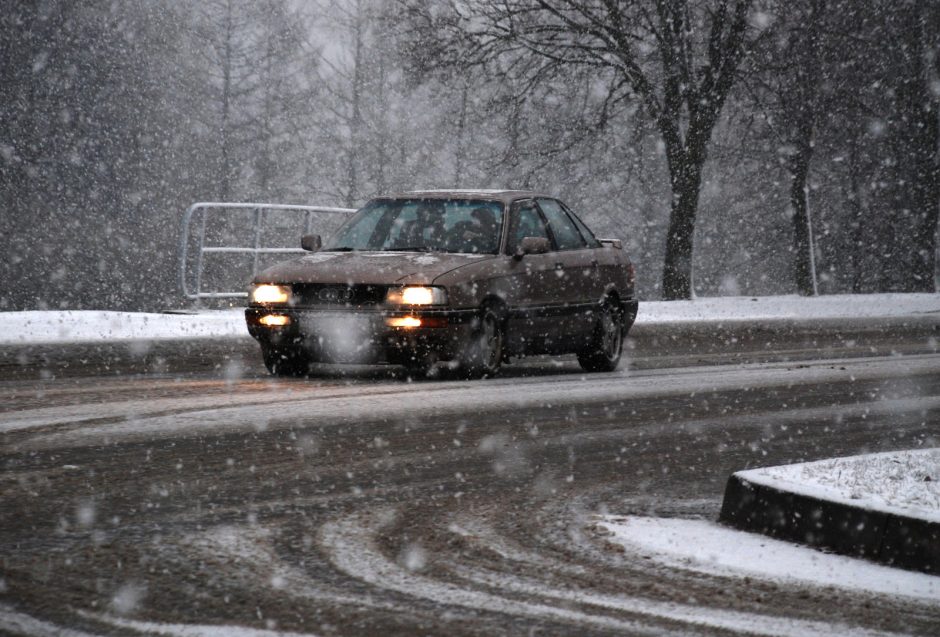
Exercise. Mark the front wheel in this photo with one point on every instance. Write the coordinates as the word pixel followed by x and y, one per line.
pixel 603 353
pixel 286 362
pixel 484 352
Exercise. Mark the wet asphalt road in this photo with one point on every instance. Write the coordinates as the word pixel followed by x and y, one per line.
pixel 156 490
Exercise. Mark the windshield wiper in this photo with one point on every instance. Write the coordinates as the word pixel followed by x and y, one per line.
pixel 342 249
pixel 413 249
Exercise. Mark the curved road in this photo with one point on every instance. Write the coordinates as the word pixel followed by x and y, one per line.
pixel 362 504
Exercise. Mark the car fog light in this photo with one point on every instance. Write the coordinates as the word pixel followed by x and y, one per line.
pixel 403 321
pixel 274 320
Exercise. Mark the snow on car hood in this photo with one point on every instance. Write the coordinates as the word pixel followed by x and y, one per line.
pixel 367 267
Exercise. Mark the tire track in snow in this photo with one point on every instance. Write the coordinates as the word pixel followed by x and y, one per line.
pixel 350 545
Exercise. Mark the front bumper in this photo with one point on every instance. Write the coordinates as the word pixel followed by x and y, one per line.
pixel 364 336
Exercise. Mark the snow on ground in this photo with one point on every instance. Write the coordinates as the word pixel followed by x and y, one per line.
pixel 901 482
pixel 92 326
pixel 735 308
pixel 707 547
pixel 82 326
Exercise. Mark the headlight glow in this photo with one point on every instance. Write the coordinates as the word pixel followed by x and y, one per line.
pixel 417 295
pixel 268 294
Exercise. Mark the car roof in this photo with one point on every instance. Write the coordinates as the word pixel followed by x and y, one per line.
pixel 505 196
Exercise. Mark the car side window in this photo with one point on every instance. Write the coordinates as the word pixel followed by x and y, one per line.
pixel 526 222
pixel 589 237
pixel 567 236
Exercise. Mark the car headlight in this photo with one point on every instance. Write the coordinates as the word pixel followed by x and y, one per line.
pixel 267 294
pixel 417 295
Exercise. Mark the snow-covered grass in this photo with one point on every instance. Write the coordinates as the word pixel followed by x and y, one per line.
pixel 77 326
pixel 901 482
pixel 707 547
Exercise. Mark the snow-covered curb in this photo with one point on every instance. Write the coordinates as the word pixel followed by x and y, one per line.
pixel 81 326
pixel 899 482
pixel 885 506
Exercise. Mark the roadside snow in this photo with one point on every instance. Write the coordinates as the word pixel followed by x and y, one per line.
pixel 81 326
pixel 87 326
pixel 707 547
pixel 737 308
pixel 901 482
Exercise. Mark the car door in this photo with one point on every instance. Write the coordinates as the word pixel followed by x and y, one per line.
pixel 578 285
pixel 530 284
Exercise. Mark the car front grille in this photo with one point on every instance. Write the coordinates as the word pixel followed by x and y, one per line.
pixel 332 295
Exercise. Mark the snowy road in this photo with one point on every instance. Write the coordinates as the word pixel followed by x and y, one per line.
pixel 165 504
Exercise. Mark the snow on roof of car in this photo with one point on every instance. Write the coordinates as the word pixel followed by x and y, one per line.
pixel 503 195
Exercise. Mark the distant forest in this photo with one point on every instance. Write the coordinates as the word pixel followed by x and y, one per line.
pixel 718 139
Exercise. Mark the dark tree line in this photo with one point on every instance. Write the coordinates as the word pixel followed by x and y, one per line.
pixel 749 143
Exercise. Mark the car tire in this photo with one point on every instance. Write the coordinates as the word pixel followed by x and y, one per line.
pixel 287 363
pixel 484 352
pixel 603 353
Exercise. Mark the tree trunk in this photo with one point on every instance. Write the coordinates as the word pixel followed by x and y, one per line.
pixel 802 260
pixel 922 111
pixel 677 269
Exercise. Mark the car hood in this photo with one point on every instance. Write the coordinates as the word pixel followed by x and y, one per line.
pixel 367 267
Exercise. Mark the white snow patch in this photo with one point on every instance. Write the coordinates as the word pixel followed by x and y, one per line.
pixel 707 547
pixel 17 623
pixel 901 482
pixel 425 259
pixel 92 326
pixel 751 308
pixel 319 257
pixel 192 630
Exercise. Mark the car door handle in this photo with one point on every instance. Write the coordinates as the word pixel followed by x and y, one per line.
pixel 559 266
pixel 594 263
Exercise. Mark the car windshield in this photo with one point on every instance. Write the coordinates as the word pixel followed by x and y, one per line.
pixel 423 225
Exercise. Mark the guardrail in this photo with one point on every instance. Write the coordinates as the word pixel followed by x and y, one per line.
pixel 203 214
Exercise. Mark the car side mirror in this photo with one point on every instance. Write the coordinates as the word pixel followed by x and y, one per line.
pixel 532 245
pixel 311 242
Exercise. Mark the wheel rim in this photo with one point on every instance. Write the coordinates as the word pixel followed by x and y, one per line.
pixel 610 335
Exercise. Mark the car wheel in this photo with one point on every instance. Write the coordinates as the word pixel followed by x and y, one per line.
pixel 484 353
pixel 289 363
pixel 603 354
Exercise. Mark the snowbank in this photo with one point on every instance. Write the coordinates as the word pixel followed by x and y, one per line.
pixel 905 483
pixel 790 307
pixel 79 326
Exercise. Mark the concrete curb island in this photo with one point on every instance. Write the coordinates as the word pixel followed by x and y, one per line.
pixel 891 538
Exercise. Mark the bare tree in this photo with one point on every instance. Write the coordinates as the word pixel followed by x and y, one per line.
pixel 678 58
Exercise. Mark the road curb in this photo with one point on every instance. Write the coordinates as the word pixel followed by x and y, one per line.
pixel 60 360
pixel 889 538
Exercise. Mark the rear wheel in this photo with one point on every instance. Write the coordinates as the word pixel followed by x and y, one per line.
pixel 603 353
pixel 286 362
pixel 484 353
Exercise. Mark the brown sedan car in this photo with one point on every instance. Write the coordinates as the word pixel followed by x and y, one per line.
pixel 471 277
